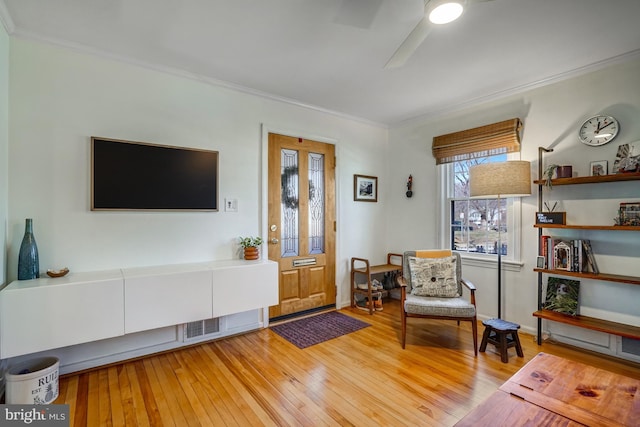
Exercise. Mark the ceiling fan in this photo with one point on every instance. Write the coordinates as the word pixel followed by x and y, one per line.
pixel 436 12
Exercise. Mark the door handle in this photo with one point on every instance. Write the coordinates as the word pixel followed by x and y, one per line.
pixel 273 241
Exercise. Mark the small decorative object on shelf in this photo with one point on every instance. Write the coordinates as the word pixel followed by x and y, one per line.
pixel 628 214
pixel 560 172
pixel 250 245
pixel 551 218
pixel 562 256
pixel 564 171
pixel 28 262
pixel 627 158
pixel 599 168
pixel 562 295
pixel 548 174
pixel 58 273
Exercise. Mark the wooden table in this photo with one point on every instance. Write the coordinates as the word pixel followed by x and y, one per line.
pixel 551 390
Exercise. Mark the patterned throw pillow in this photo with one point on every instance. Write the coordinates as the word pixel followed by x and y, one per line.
pixel 434 277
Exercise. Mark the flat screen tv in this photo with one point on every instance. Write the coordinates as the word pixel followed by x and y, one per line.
pixel 127 175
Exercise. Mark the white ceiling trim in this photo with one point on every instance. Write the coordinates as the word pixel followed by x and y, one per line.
pixel 428 114
pixel 629 56
pixel 185 74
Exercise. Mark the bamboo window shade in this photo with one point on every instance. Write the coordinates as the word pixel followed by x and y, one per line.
pixel 497 138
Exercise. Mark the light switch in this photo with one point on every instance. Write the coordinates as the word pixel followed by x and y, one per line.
pixel 231 205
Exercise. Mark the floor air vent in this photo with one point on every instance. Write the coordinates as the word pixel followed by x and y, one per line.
pixel 201 329
pixel 630 346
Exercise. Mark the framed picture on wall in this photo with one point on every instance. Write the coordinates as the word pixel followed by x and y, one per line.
pixel 599 168
pixel 365 188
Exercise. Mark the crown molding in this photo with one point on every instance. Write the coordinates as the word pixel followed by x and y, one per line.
pixel 423 115
pixel 89 50
pixel 455 107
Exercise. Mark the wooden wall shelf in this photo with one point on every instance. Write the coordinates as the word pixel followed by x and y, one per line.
pixel 600 276
pixel 591 227
pixel 592 323
pixel 595 324
pixel 619 177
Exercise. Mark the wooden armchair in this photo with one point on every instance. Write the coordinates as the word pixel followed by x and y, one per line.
pixel 431 287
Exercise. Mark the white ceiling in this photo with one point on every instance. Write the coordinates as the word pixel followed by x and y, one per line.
pixel 330 54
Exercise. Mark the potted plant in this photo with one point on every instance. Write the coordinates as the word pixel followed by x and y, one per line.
pixel 250 245
pixel 548 174
pixel 560 171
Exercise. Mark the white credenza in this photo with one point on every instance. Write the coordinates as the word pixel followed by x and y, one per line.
pixel 47 313
pixel 162 296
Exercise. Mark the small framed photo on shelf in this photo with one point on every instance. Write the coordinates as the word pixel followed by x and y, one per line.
pixel 365 188
pixel 629 213
pixel 599 168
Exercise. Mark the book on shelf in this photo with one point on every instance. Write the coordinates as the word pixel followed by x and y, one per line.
pixel 544 249
pixel 591 260
pixel 562 295
pixel 551 242
pixel 569 255
pixel 579 258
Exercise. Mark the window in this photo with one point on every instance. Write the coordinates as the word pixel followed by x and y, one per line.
pixel 477 226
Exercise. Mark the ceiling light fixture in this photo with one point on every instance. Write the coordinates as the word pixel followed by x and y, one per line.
pixel 444 11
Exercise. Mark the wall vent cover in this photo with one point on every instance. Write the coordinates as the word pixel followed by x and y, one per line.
pixel 630 346
pixel 201 328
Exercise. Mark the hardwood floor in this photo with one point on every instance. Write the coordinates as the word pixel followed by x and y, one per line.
pixel 364 378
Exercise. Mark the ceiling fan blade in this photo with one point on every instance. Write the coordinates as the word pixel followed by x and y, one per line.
pixel 410 44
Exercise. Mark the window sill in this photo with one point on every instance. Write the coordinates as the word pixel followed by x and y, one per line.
pixel 490 262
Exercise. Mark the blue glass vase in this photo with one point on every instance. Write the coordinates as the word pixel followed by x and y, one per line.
pixel 28 262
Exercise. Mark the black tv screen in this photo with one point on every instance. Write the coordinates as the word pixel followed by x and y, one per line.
pixel 128 175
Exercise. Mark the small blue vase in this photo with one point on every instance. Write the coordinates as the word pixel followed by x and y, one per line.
pixel 28 262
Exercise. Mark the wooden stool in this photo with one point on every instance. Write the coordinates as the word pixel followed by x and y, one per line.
pixel 503 335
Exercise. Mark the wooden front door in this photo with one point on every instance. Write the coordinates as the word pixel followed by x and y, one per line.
pixel 301 229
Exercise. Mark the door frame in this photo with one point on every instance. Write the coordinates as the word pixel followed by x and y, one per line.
pixel 264 195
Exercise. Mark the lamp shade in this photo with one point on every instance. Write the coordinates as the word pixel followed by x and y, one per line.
pixel 505 179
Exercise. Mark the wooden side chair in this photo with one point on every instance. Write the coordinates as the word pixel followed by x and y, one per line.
pixel 431 287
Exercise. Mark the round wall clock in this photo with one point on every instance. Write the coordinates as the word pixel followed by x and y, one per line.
pixel 598 130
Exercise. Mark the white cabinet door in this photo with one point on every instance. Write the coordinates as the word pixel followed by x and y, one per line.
pixel 163 296
pixel 43 314
pixel 244 285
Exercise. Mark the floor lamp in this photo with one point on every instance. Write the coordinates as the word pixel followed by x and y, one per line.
pixel 500 180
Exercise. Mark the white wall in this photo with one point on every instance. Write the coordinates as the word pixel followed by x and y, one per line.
pixel 4 147
pixel 60 98
pixel 551 116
